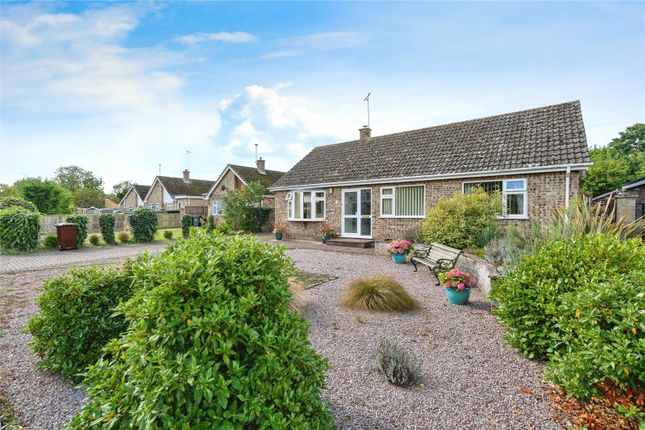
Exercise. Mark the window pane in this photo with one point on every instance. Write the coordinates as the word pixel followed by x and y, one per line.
pixel 366 202
pixel 351 225
pixel 306 205
pixel 515 185
pixel 366 227
pixel 515 204
pixel 386 207
pixel 409 201
pixel 386 191
pixel 297 199
pixel 320 209
pixel 320 194
pixel 489 187
pixel 351 204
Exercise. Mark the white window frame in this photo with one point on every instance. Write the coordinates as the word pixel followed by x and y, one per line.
pixel 393 198
pixel 154 207
pixel 521 191
pixel 220 207
pixel 291 201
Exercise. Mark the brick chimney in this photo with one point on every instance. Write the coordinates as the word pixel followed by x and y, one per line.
pixel 186 176
pixel 365 132
pixel 260 166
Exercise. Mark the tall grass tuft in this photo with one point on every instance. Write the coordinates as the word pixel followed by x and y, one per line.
pixel 378 293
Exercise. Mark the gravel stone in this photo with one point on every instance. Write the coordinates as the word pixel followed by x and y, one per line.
pixel 471 378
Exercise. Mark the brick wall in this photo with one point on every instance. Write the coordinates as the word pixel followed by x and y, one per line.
pixel 156 196
pixel 545 192
pixel 130 200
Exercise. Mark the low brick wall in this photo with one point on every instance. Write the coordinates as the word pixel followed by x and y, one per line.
pixel 484 272
pixel 48 222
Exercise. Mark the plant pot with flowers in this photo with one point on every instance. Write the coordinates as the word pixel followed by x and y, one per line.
pixel 278 230
pixel 326 231
pixel 399 249
pixel 457 285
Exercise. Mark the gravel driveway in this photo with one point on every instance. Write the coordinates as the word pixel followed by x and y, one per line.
pixel 471 379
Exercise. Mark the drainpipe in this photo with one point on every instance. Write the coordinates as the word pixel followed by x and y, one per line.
pixel 567 186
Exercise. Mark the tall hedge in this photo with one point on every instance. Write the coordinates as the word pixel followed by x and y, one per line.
pixel 144 223
pixel 8 202
pixel 211 344
pixel 81 222
pixel 76 318
pixel 19 229
pixel 186 223
pixel 106 222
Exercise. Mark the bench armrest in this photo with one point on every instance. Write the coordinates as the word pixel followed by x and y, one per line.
pixel 422 252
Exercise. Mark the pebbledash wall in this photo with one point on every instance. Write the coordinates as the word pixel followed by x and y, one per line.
pixel 546 191
pixel 48 222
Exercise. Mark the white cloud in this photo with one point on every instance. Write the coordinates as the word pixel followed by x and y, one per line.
pixel 223 36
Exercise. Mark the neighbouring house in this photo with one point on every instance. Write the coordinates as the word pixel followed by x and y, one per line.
pixel 234 177
pixel 135 197
pixel 184 194
pixel 627 201
pixel 110 204
pixel 381 187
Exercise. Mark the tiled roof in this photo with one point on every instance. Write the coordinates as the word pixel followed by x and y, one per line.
pixel 142 190
pixel 251 174
pixel 546 136
pixel 177 186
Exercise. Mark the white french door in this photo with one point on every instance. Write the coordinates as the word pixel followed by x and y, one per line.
pixel 357 213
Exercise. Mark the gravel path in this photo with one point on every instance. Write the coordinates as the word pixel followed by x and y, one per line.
pixel 472 380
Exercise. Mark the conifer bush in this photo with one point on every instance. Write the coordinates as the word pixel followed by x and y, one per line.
pixel 186 223
pixel 81 227
pixel 106 222
pixel 75 318
pixel 211 344
pixel 144 222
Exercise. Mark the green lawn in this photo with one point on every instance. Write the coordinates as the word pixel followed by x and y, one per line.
pixel 176 233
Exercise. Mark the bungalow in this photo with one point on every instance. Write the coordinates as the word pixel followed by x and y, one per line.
pixel 234 177
pixel 168 193
pixel 135 197
pixel 380 187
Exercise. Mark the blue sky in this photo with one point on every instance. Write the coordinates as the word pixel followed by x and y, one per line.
pixel 119 88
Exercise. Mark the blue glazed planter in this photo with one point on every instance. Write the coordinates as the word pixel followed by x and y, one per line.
pixel 456 297
pixel 398 258
pixel 278 236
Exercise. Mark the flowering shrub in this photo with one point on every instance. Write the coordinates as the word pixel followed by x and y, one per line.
pixel 458 279
pixel 279 227
pixel 327 230
pixel 400 246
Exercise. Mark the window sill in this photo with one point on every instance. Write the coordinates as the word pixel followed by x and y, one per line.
pixel 401 217
pixel 513 218
pixel 306 220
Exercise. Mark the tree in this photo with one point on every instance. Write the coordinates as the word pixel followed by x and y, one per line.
pixel 49 197
pixel 242 208
pixel 74 177
pixel 7 190
pixel 87 197
pixel 120 189
pixel 621 161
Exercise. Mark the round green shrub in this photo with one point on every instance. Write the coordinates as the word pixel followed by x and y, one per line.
pixel 19 229
pixel 186 223
pixel 76 318
pixel 8 202
pixel 601 331
pixel 81 227
pixel 167 234
pixel 50 241
pixel 530 296
pixel 461 220
pixel 211 344
pixel 144 224
pixel 124 237
pixel 106 222
pixel 95 239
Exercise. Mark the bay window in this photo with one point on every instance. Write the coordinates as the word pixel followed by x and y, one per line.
pixel 305 205
pixel 514 195
pixel 403 202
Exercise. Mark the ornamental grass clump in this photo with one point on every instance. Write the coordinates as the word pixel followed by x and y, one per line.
pixel 76 318
pixel 212 344
pixel 378 293
pixel 398 366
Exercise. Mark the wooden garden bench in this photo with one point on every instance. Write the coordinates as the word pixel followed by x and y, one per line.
pixel 439 258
